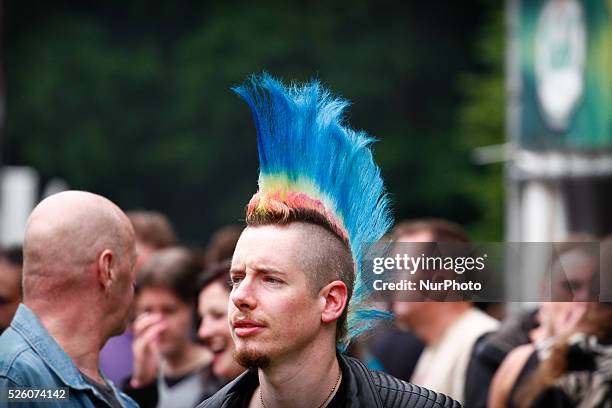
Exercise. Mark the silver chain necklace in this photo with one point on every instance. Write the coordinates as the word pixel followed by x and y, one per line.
pixel 263 404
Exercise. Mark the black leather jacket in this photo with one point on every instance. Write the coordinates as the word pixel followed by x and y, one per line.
pixel 365 389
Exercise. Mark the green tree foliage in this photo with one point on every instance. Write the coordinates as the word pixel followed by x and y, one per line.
pixel 133 101
pixel 481 123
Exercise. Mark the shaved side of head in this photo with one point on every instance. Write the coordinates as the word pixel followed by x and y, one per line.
pixel 325 258
pixel 65 235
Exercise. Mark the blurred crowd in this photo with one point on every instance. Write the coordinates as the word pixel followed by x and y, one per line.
pixel 177 349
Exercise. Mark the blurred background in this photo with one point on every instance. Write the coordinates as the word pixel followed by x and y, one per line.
pixel 132 100
pixel 495 115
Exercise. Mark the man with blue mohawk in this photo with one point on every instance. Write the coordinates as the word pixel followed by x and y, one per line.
pixel 298 293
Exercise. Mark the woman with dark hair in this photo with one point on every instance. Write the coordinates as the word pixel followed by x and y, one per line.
pixel 576 371
pixel 170 368
pixel 214 329
pixel 569 285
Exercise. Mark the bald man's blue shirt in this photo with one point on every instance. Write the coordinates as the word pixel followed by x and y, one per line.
pixel 30 357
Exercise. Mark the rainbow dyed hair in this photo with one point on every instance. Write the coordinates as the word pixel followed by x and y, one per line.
pixel 309 160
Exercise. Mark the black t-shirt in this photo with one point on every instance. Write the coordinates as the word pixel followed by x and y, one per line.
pixel 339 400
pixel 105 390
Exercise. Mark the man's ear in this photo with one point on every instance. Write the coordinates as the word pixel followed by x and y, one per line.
pixel 333 296
pixel 105 270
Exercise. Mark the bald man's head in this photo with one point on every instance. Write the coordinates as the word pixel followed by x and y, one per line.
pixel 65 236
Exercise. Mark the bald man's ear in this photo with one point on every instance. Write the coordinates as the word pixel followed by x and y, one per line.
pixel 333 299
pixel 106 265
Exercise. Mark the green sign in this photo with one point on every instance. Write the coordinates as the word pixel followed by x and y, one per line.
pixel 565 54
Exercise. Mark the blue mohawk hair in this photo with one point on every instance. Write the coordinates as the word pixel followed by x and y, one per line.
pixel 310 159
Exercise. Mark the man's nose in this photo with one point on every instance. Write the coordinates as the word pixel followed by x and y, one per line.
pixel 243 295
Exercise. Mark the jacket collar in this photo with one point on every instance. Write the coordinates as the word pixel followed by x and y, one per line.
pixel 361 391
pixel 360 388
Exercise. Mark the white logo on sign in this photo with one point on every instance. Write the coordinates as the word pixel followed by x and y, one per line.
pixel 560 54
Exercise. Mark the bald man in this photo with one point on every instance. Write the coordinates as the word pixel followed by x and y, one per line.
pixel 78 283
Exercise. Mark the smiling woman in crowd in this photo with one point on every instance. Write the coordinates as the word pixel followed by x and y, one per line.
pixel 214 330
